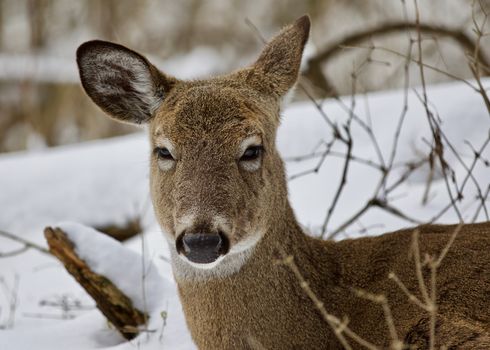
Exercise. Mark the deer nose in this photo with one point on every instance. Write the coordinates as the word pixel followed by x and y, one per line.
pixel 202 248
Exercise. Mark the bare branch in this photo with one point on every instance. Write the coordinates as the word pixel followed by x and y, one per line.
pixel 314 71
pixel 338 326
pixel 26 243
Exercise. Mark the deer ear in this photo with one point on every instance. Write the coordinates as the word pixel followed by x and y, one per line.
pixel 121 82
pixel 277 68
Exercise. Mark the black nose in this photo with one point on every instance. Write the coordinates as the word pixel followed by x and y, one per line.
pixel 202 248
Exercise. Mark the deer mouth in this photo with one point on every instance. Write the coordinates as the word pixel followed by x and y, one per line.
pixel 202 248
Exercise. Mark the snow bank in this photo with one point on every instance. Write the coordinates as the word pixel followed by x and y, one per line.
pixel 123 264
pixel 103 182
pixel 463 118
pixel 135 275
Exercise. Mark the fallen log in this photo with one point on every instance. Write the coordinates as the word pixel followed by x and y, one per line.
pixel 110 300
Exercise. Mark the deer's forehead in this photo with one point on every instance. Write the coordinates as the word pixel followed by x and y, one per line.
pixel 201 134
pixel 207 113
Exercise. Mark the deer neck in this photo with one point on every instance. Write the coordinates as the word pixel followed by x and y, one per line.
pixel 262 287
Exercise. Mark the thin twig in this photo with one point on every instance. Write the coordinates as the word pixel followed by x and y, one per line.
pixel 28 244
pixel 338 327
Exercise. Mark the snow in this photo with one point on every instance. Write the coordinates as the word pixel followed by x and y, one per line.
pixel 122 264
pixel 115 171
pixel 106 182
pixel 133 273
pixel 123 267
pixel 464 118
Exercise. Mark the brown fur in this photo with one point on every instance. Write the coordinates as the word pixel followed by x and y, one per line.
pixel 267 303
pixel 262 302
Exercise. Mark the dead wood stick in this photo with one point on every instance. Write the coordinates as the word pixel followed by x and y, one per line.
pixel 113 303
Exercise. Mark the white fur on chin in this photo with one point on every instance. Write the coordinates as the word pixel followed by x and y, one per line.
pixel 224 266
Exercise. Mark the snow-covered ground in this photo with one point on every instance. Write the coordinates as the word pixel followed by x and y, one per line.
pixel 106 182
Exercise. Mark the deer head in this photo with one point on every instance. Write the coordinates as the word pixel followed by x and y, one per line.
pixel 217 181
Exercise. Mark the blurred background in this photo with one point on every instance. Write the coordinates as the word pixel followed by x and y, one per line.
pixel 43 105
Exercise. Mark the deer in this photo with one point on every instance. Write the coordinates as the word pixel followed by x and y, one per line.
pixel 219 193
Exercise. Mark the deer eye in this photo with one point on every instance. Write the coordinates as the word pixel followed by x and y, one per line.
pixel 163 153
pixel 251 153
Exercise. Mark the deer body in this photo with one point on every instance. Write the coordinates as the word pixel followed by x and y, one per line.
pixel 219 192
pixel 270 308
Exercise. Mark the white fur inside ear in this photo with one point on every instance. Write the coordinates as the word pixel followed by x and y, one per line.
pixel 121 82
pixel 146 88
